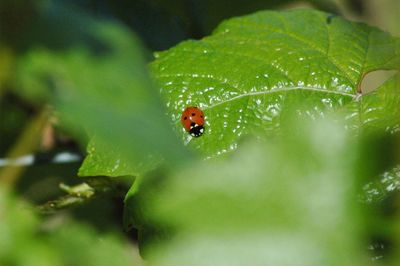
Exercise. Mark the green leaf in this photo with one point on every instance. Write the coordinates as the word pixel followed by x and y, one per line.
pixel 252 68
pixel 101 159
pixel 275 202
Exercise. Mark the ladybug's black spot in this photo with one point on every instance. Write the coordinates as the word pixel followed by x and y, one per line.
pixel 197 131
pixel 192 124
pixel 185 118
pixel 193 114
pixel 201 116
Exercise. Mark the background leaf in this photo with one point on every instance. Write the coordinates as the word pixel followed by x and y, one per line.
pixel 26 240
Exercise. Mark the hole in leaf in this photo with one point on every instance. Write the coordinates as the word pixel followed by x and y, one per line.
pixel 372 80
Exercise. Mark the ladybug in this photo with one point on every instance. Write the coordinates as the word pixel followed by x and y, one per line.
pixel 193 121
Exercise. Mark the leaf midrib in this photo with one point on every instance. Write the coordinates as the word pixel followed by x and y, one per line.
pixel 278 90
pixel 284 89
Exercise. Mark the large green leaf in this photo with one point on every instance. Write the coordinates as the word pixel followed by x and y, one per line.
pixel 246 74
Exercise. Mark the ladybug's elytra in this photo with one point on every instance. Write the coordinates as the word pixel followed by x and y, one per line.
pixel 193 121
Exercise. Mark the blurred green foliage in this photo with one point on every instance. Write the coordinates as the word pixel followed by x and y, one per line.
pixel 284 201
pixel 297 166
pixel 24 241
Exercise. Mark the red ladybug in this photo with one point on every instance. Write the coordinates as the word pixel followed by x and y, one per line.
pixel 193 121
